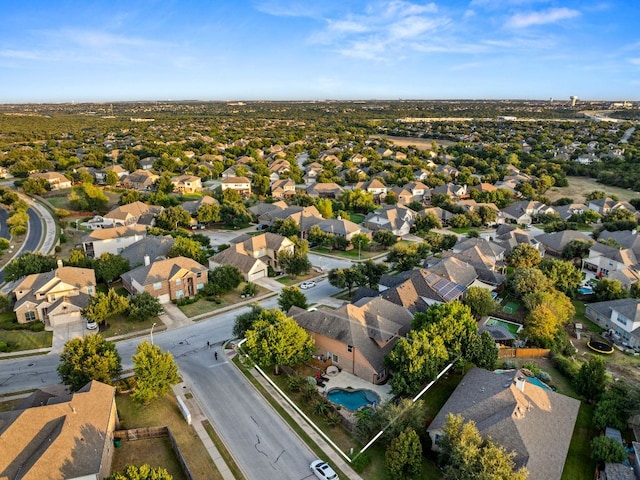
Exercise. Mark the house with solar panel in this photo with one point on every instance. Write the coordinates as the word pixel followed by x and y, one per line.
pixel 418 289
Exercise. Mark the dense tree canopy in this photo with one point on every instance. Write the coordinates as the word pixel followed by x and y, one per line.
pixel 292 296
pixel 89 358
pixel 155 372
pixel 28 263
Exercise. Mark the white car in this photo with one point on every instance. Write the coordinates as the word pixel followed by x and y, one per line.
pixel 322 470
pixel 92 325
pixel 305 285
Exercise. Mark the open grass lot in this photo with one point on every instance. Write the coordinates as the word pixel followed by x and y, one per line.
pixel 164 411
pixel 121 325
pixel 579 187
pixel 157 452
pixel 579 465
pixel 230 298
pixel 349 254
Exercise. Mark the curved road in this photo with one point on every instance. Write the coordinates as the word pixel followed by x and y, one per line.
pixel 4 230
pixel 34 234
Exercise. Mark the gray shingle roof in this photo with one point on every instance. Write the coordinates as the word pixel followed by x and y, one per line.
pixel 152 245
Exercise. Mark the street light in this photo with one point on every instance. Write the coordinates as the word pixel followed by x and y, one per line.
pixel 154 324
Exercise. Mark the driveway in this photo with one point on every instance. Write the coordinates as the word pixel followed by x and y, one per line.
pixel 63 333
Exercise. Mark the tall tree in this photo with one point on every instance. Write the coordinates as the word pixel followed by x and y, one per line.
pixel 524 255
pixel 276 340
pixel 591 381
pixel 386 238
pixel 480 301
pixel 187 247
pixel 325 207
pixel 371 272
pixel 89 358
pixel 294 264
pixel 109 266
pixel 28 263
pixel 404 455
pixel 607 450
pixel 143 306
pixel 225 278
pixel 245 321
pixel 290 296
pixel 103 306
pixel 155 371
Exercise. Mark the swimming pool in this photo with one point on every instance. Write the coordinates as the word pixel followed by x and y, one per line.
pixel 585 290
pixel 512 327
pixel 538 382
pixel 353 399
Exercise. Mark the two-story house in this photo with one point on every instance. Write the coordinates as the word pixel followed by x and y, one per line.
pixel 167 280
pixel 186 184
pixel 111 240
pixel 142 180
pixel 242 185
pixel 55 297
pixel 284 188
pixel 621 317
pixel 56 180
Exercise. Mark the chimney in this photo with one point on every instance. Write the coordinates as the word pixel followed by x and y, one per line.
pixel 520 383
pixel 147 261
pixel 59 262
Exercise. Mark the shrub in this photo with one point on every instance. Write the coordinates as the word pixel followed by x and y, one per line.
pixel 4 347
pixel 309 391
pixel 532 367
pixel 360 462
pixel 294 383
pixel 36 327
pixel 509 364
pixel 569 368
pixel 544 376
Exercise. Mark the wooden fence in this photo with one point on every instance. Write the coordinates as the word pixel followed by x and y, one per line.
pixel 134 434
pixel 523 352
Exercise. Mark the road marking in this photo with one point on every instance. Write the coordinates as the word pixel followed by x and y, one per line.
pixel 217 365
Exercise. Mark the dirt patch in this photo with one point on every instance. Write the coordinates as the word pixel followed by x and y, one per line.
pixel 579 187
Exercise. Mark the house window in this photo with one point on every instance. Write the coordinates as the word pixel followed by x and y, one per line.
pixel 30 316
pixel 89 290
pixel 157 285
pixel 199 286
pixel 334 358
pixel 178 281
pixel 179 293
pixel 350 348
pixel 199 274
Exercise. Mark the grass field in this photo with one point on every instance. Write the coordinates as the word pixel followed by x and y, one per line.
pixel 578 465
pixel 205 306
pixel 579 187
pixel 349 254
pixel 164 412
pixel 157 452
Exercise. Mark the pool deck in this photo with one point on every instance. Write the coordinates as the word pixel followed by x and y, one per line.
pixel 347 380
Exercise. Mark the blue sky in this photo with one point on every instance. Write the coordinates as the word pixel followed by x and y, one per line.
pixel 99 50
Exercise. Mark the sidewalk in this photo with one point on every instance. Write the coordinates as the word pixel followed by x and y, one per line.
pixel 330 453
pixel 197 417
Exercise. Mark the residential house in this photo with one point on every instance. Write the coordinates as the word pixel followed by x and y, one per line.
pixel 451 190
pixel 443 215
pixel 325 190
pixel 620 317
pixel 312 171
pixel 403 196
pixel 56 435
pixel 555 242
pixel 55 297
pixel 484 187
pixel 153 246
pixel 111 240
pixel 419 191
pixel 305 217
pixel 356 337
pixel 147 163
pixel 625 238
pixel 124 215
pixel 395 218
pixel 485 256
pixel 56 180
pixel 418 289
pixel 167 280
pixel 567 211
pixel 242 185
pixel 279 167
pixel 358 159
pixel 101 175
pixel 341 227
pixel 455 271
pixel 192 206
pixel 141 180
pixel 374 187
pixel 613 263
pixel 253 255
pixel 186 184
pixel 285 188
pixel 605 206
pixel 525 211
pixel 510 236
pixel 534 422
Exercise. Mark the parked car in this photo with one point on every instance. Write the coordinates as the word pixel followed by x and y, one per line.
pixel 92 325
pixel 322 470
pixel 198 226
pixel 262 226
pixel 309 284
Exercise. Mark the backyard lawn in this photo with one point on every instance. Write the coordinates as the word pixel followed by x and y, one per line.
pixel 164 412
pixel 157 452
pixel 579 465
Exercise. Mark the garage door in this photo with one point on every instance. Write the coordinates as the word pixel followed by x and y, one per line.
pixel 164 298
pixel 259 274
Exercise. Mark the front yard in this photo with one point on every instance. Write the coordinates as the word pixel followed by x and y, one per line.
pixel 348 254
pixel 14 337
pixel 203 305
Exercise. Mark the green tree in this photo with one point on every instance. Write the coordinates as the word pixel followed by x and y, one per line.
pixel 576 249
pixel 480 301
pixel 607 289
pixel 187 247
pixel 287 227
pixel 155 371
pixel 404 455
pixel 483 351
pixel 109 266
pixel 386 238
pixel 163 184
pixel 415 360
pixel 607 450
pixel 225 278
pixel 346 278
pixel 235 214
pixel 245 321
pixel 325 207
pixel 103 306
pixel 111 178
pixel 294 264
pixel 35 186
pixel 614 407
pixel 564 275
pixel 143 472
pixel 77 258
pixel 360 241
pixel 208 213
pixel 143 306
pixel 28 263
pixel 426 222
pixel 88 358
pixel 524 255
pixel 277 340
pixel 529 280
pixel 358 200
pixel 371 273
pixel 17 223
pixel 290 296
pixel 541 325
pixel 129 196
pixel 591 381
pixel 173 217
pixel 404 256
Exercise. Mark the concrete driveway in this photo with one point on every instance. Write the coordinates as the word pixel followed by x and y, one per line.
pixel 63 333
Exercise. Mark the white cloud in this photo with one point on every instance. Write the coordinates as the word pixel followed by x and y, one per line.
pixel 552 15
pixel 24 55
pixel 634 61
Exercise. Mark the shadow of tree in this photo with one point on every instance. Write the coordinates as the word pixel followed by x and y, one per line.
pixel 86 454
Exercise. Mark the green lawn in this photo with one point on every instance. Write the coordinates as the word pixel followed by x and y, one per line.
pixel 349 255
pixel 121 325
pixel 164 411
pixel 288 280
pixel 205 306
pixel 581 318
pixel 356 218
pixel 461 231
pixel 579 465
pixel 26 340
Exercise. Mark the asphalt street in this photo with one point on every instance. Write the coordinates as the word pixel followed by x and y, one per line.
pixel 34 233
pixel 4 229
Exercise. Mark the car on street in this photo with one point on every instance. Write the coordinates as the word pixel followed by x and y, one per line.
pixel 92 325
pixel 309 284
pixel 322 470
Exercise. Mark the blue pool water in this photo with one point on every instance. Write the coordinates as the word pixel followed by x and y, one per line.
pixel 538 382
pixel 585 290
pixel 353 399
